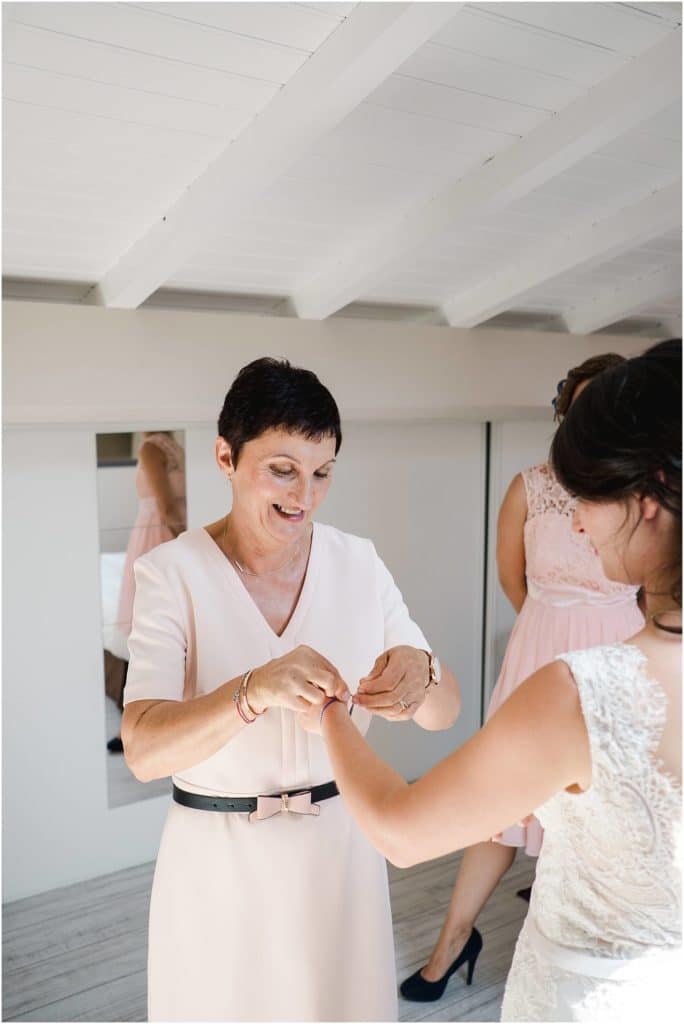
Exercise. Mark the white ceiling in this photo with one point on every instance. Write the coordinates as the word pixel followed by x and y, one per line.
pixel 455 162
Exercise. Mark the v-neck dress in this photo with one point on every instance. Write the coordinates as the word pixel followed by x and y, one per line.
pixel 286 918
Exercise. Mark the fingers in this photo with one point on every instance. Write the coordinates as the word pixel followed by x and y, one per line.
pixel 322 673
pixel 331 683
pixel 312 693
pixel 383 677
pixel 342 692
pixel 396 713
pixel 378 668
pixel 384 700
pixel 301 697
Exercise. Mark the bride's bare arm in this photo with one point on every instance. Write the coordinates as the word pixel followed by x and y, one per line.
pixel 533 747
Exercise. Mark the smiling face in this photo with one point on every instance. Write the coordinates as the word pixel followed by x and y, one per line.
pixel 278 483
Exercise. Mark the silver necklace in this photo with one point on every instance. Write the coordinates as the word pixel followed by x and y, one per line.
pixel 248 572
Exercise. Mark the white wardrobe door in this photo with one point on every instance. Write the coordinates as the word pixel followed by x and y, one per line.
pixel 417 490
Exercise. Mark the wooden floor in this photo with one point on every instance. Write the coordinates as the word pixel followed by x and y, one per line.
pixel 78 953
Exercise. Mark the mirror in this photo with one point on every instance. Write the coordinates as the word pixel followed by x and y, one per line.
pixel 141 503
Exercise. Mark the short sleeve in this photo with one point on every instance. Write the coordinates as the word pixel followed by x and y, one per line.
pixel 399 626
pixel 157 644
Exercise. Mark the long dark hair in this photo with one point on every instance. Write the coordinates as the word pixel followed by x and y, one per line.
pixel 622 437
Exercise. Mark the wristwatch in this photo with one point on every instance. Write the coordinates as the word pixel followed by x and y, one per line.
pixel 434 670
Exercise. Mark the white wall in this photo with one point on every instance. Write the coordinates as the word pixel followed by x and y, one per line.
pixel 417 490
pixel 126 368
pixel 57 827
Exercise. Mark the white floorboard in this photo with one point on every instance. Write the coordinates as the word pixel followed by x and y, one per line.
pixel 78 953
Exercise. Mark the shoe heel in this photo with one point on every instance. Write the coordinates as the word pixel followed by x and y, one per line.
pixel 471 968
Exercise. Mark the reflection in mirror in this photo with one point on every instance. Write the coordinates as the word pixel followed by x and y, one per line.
pixel 141 503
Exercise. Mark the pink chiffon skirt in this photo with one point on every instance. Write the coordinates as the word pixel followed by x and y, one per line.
pixel 542 632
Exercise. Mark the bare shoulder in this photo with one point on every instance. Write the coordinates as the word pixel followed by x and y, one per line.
pixel 516 493
pixel 549 697
pixel 553 682
pixel 547 705
pixel 150 454
pixel 514 504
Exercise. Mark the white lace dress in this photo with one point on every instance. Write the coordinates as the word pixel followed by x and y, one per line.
pixel 602 939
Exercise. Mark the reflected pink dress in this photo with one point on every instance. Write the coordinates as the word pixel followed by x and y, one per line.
pixel 148 530
pixel 570 604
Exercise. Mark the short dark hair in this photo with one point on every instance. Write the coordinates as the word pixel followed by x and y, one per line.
pixel 270 394
pixel 587 370
pixel 623 438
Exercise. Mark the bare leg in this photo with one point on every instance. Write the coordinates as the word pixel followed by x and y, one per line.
pixel 482 868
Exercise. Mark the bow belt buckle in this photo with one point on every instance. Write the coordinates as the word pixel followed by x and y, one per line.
pixel 286 803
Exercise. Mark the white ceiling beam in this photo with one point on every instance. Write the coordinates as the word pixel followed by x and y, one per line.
pixel 611 307
pixel 357 57
pixel 641 88
pixel 595 242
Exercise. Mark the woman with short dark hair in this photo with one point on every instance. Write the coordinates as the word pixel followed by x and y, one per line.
pixel 591 742
pixel 268 903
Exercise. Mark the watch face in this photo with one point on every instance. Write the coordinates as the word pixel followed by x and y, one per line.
pixel 436 669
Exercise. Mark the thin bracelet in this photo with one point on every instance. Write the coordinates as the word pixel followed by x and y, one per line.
pixel 236 702
pixel 243 687
pixel 333 700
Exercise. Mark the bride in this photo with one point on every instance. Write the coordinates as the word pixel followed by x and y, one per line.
pixel 591 742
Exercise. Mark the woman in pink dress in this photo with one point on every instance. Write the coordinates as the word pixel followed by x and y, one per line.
pixel 160 483
pixel 554 579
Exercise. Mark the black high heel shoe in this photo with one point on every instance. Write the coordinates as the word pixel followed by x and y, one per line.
pixel 419 990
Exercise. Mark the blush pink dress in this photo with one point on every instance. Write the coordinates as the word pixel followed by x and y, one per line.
pixel 570 604
pixel 285 919
pixel 148 530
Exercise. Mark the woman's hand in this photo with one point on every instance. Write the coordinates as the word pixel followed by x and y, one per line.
pixel 396 686
pixel 301 680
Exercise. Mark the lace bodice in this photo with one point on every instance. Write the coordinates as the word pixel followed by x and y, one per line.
pixel 608 877
pixel 561 566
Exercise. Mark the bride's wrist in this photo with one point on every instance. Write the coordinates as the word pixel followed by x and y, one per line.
pixel 330 709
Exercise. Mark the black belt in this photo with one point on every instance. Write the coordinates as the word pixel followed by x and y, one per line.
pixel 246 803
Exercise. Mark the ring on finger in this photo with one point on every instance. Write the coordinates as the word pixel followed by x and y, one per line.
pixel 403 705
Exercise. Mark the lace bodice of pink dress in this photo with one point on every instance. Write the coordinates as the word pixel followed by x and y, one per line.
pixel 562 566
pixel 602 938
